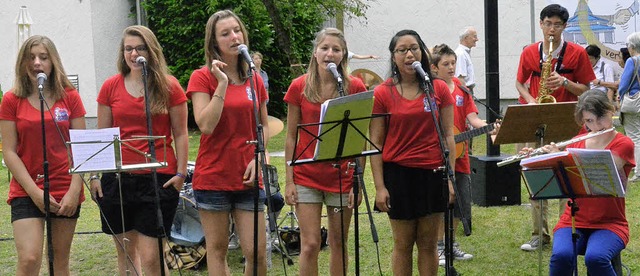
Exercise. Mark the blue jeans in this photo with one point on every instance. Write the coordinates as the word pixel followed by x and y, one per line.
pixel 598 246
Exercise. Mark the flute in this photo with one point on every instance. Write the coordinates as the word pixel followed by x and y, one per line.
pixel 540 151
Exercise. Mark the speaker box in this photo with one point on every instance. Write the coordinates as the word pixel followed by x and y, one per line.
pixel 492 185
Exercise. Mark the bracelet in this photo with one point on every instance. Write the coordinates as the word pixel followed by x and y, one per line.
pixel 181 175
pixel 218 96
pixel 94 177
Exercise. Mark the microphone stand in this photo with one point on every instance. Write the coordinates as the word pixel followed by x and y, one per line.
pixel 45 166
pixel 357 184
pixel 259 154
pixel 449 174
pixel 480 102
pixel 154 175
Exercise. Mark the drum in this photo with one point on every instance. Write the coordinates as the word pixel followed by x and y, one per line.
pixel 186 241
pixel 186 229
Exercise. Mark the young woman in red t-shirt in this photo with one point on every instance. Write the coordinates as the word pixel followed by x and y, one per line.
pixel 121 104
pixel 309 186
pixel 20 119
pixel 600 222
pixel 223 180
pixel 407 188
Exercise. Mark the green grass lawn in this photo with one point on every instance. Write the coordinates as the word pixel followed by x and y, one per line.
pixel 495 243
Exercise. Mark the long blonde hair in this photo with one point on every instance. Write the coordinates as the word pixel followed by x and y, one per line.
pixel 158 72
pixel 57 79
pixel 312 86
pixel 211 50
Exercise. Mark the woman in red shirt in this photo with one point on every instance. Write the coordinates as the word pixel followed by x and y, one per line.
pixel 407 188
pixel 20 119
pixel 223 180
pixel 309 186
pixel 121 104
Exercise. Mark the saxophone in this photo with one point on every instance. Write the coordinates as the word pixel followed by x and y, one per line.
pixel 544 93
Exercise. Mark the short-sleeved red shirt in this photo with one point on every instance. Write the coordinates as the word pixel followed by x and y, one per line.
pixel 604 212
pixel 575 60
pixel 224 154
pixel 128 113
pixel 411 138
pixel 322 176
pixel 29 147
pixel 464 105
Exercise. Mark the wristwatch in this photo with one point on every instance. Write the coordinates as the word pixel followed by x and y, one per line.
pixel 565 82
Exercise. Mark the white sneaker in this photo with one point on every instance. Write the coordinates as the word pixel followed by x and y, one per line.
pixel 234 243
pixel 459 254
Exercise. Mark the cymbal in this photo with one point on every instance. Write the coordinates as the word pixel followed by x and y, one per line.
pixel 275 126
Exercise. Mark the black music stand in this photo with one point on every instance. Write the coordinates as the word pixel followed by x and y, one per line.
pixel 571 174
pixel 342 134
pixel 538 123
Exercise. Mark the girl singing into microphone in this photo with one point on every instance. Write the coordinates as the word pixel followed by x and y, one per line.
pixel 20 119
pixel 223 181
pixel 309 186
pixel 121 103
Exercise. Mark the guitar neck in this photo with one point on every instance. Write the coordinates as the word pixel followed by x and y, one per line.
pixel 473 133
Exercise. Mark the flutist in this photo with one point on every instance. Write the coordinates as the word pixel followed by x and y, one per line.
pixel 601 222
pixel 565 71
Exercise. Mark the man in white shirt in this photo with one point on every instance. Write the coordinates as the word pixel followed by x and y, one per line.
pixel 603 71
pixel 464 66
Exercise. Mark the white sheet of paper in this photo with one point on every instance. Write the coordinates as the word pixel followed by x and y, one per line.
pixel 101 146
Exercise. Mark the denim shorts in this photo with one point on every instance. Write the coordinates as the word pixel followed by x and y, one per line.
pixel 228 200
pixel 311 195
pixel 23 207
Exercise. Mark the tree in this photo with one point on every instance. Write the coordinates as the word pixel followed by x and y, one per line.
pixel 282 30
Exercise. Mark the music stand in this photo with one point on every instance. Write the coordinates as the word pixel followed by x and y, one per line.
pixel 536 123
pixel 108 158
pixel 571 174
pixel 342 130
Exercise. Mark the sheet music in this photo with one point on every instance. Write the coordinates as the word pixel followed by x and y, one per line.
pixel 99 145
pixel 598 171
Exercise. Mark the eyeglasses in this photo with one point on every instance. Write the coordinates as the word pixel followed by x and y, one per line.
pixel 556 26
pixel 139 49
pixel 414 50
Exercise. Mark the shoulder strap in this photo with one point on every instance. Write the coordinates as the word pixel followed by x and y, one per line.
pixel 465 89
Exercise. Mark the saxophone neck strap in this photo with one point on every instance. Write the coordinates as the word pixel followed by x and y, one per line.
pixel 558 63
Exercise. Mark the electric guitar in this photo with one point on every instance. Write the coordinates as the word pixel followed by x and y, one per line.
pixel 461 138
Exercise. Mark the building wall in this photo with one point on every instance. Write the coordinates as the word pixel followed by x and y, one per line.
pixel 440 21
pixel 86 34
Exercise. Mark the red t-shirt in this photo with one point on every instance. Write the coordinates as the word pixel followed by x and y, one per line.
pixel 29 129
pixel 604 212
pixel 575 58
pixel 224 154
pixel 411 138
pixel 323 175
pixel 128 113
pixel 464 105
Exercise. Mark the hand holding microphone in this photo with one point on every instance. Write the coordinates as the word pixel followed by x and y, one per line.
pixel 244 51
pixel 333 69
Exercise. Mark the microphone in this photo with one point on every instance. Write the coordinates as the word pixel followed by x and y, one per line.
pixel 331 67
pixel 418 67
pixel 42 77
pixel 141 60
pixel 244 51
